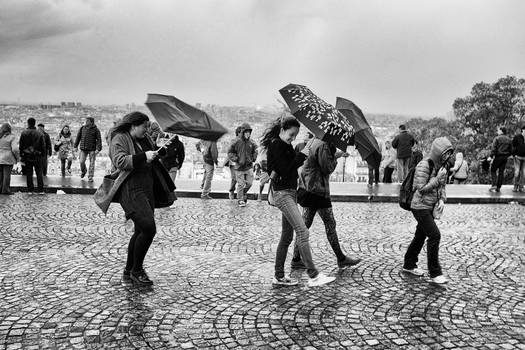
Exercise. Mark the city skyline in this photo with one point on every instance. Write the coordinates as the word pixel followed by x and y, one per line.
pixel 403 57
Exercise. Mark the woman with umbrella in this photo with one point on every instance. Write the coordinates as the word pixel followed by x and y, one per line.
pixel 142 184
pixel 283 163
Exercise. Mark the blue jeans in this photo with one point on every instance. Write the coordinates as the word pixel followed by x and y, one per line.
pixel 286 201
pixel 426 228
pixel 209 169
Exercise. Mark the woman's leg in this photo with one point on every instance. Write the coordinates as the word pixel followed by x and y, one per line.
pixel 308 217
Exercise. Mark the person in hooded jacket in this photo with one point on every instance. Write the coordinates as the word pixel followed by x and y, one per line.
pixel 460 169
pixel 229 164
pixel 430 178
pixel 242 154
pixel 64 143
pixel 90 143
pixel 141 184
pixel 314 196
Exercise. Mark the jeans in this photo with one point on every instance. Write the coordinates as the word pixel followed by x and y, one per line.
pixel 244 183
pixel 519 171
pixel 373 175
pixel 426 228
pixel 208 176
pixel 402 168
pixel 37 166
pixel 327 215
pixel 82 159
pixel 44 165
pixel 387 177
pixel 140 209
pixel 498 165
pixel 5 178
pixel 286 201
pixel 63 165
pixel 233 182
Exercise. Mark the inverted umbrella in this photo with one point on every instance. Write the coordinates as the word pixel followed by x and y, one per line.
pixel 178 117
pixel 365 142
pixel 321 118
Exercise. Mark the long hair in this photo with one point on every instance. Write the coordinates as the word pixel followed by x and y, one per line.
pixel 133 118
pixel 5 129
pixel 272 132
pixel 66 135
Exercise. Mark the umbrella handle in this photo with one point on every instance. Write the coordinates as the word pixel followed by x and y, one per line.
pixel 167 142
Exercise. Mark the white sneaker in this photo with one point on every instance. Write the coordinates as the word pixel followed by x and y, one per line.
pixel 439 279
pixel 242 204
pixel 415 271
pixel 320 280
pixel 285 281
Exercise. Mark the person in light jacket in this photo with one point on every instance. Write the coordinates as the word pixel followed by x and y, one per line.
pixel 460 169
pixel 9 156
pixel 389 162
pixel 141 185
pixel 66 152
pixel 430 178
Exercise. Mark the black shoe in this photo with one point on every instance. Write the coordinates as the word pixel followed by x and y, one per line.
pixel 141 278
pixel 126 276
pixel 348 262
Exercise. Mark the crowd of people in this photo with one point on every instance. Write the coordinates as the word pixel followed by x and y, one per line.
pixel 145 162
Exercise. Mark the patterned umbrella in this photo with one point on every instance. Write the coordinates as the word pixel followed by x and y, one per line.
pixel 321 118
pixel 178 117
pixel 365 142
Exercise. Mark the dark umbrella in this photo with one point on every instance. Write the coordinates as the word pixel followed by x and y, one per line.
pixel 321 118
pixel 178 117
pixel 365 142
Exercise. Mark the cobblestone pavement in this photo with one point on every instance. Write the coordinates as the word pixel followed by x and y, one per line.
pixel 212 264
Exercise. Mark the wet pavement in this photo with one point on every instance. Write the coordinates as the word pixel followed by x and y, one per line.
pixel 212 264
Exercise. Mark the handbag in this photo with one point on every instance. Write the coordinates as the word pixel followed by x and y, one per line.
pixel 57 147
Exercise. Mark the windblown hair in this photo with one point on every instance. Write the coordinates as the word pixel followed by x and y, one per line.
pixel 5 130
pixel 133 118
pixel 274 129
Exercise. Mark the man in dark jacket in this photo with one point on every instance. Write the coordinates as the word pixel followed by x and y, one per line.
pixel 32 147
pixel 174 157
pixel 518 151
pixel 403 143
pixel 242 155
pixel 90 142
pixel 49 148
pixel 501 151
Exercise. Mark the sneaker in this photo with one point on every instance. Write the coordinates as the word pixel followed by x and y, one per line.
pixel 68 171
pixel 90 179
pixel 242 204
pixel 285 281
pixel 439 279
pixel 320 280
pixel 140 277
pixel 41 193
pixel 207 196
pixel 298 265
pixel 82 174
pixel 348 262
pixel 494 189
pixel 415 271
pixel 232 195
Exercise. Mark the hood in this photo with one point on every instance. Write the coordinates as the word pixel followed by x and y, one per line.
pixel 439 146
pixel 245 126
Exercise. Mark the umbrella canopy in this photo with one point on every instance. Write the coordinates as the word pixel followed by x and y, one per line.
pixel 178 117
pixel 321 118
pixel 365 142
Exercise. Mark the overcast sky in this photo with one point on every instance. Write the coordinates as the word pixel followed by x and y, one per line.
pixel 410 57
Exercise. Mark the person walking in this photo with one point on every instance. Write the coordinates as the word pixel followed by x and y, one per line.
pixel 314 196
pixel 283 163
pixel 373 163
pixel 229 164
pixel 49 149
pixel 66 151
pixel 518 153
pixel 90 143
pixel 242 154
pixel 210 156
pixel 9 156
pixel 429 198
pixel 500 152
pixel 141 185
pixel 32 147
pixel 403 143
pixel 174 157
pixel 389 162
pixel 460 169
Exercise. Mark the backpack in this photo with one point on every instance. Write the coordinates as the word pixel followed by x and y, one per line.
pixel 406 193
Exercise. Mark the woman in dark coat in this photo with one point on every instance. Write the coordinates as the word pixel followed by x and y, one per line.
pixel 142 184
